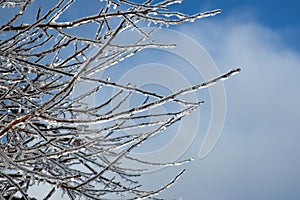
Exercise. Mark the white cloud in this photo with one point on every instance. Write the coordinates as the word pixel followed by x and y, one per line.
pixel 269 79
pixel 258 154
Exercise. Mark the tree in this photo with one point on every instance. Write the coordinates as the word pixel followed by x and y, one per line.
pixel 50 135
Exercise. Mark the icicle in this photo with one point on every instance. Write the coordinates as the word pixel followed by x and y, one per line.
pixel 8 63
pixel 54 123
pixel 48 126
pixel 192 20
pixel 21 125
pixel 8 5
pixel 108 4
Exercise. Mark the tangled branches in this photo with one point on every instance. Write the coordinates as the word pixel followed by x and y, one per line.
pixel 51 135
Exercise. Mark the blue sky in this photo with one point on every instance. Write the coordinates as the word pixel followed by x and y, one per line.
pixel 278 15
pixel 258 154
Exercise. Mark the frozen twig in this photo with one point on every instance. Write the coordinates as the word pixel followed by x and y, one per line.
pixel 50 136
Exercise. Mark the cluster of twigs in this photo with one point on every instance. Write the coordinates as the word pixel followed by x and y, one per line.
pixel 52 136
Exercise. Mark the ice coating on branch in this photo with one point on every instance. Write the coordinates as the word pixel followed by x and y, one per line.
pixel 12 3
pixel 52 131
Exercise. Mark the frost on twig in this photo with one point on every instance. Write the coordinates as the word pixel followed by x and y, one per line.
pixel 50 136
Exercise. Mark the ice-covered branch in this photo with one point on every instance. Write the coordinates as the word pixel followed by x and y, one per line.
pixel 49 134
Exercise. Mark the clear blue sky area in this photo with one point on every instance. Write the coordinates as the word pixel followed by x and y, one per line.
pixel 282 16
pixel 275 13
